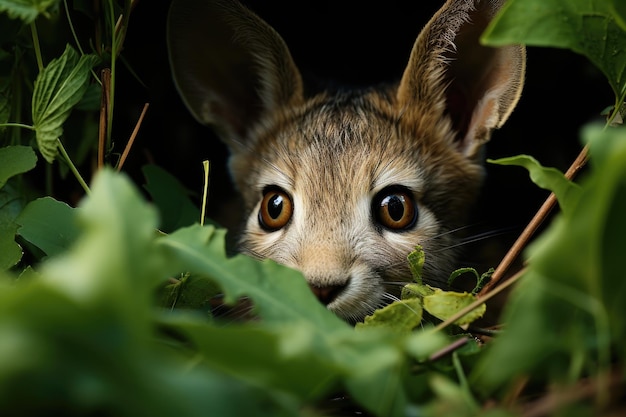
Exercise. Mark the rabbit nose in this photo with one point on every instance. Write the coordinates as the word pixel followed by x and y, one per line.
pixel 326 294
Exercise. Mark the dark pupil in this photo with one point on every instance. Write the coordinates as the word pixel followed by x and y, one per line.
pixel 275 206
pixel 395 207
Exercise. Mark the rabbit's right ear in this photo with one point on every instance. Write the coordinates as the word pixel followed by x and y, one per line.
pixel 230 67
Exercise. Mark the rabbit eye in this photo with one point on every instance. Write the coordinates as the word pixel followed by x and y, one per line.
pixel 276 209
pixel 395 208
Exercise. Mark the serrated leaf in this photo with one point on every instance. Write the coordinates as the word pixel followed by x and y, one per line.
pixel 28 10
pixel 15 160
pixel 566 192
pixel 58 88
pixel 587 27
pixel 401 315
pixel 444 304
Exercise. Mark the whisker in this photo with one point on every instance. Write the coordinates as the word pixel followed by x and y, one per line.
pixel 476 238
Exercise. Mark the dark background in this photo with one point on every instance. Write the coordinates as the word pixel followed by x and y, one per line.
pixel 361 43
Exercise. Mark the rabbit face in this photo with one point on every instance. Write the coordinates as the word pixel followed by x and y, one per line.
pixel 343 185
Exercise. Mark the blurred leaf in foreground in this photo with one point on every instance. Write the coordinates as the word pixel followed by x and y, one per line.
pixel 79 339
pixel 566 317
pixel 27 10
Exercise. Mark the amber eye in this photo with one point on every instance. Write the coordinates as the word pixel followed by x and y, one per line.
pixel 395 209
pixel 276 209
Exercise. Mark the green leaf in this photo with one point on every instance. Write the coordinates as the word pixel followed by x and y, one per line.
pixel 566 317
pixel 619 11
pixel 401 315
pixel 15 160
pixel 5 109
pixel 172 199
pixel 588 27
pixel 58 88
pixel 279 293
pixel 28 10
pixel 566 192
pixel 48 224
pixel 444 304
pixel 10 251
pixel 80 337
pixel 416 263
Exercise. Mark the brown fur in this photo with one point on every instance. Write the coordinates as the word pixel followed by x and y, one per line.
pixel 333 152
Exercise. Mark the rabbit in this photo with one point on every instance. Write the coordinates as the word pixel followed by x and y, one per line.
pixel 341 185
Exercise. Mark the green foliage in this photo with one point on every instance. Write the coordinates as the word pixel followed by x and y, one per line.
pixel 58 88
pixel 588 27
pixel 569 307
pixel 566 192
pixel 106 300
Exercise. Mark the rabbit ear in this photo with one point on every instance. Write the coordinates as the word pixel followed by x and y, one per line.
pixel 452 74
pixel 230 67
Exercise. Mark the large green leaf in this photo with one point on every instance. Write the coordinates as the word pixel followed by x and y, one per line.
pixel 58 88
pixel 15 160
pixel 28 10
pixel 588 27
pixel 79 338
pixel 280 294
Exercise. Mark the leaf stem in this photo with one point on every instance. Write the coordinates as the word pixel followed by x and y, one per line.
pixel 23 126
pixel 37 47
pixel 80 179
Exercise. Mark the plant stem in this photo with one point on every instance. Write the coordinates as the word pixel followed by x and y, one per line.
pixel 23 126
pixel 113 72
pixel 205 191
pixel 80 179
pixel 33 30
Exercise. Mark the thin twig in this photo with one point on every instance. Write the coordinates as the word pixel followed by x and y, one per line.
pixel 104 109
pixel 205 191
pixel 449 349
pixel 532 227
pixel 133 136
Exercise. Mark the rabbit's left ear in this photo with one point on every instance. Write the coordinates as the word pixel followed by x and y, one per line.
pixel 451 73
pixel 230 67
